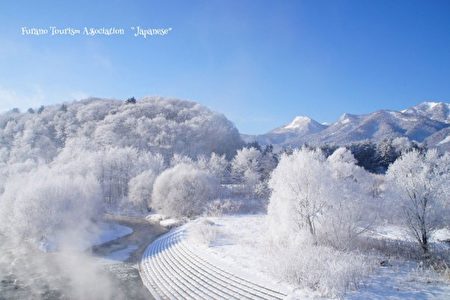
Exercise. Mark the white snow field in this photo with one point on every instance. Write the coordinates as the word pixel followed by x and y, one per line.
pixel 174 267
pixel 223 258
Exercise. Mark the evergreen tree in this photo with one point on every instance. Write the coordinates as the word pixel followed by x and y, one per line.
pixel 131 100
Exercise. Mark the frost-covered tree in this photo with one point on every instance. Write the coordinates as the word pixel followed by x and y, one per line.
pixel 300 191
pixel 34 140
pixel 181 159
pixel 246 161
pixel 366 155
pixel 16 169
pixel 246 168
pixel 251 168
pixel 331 198
pixel 315 205
pixel 268 162
pixel 183 191
pixel 217 165
pixel 113 168
pixel 119 165
pixel 353 207
pixel 386 154
pixel 131 100
pixel 42 204
pixel 141 188
pixel 403 144
pixel 419 186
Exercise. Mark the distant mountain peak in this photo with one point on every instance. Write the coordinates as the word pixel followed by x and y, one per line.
pixel 346 118
pixel 438 111
pixel 432 104
pixel 299 126
pixel 299 122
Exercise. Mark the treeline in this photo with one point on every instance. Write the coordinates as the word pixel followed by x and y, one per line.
pixel 374 157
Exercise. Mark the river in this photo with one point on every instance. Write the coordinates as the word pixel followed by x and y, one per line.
pixel 97 273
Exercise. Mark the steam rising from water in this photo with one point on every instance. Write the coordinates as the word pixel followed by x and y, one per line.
pixel 66 274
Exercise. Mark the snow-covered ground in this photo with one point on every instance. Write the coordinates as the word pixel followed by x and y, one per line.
pixel 401 280
pixel 170 223
pixel 176 267
pixel 398 233
pixel 164 221
pixel 390 232
pixel 102 233
pixel 110 231
pixel 237 244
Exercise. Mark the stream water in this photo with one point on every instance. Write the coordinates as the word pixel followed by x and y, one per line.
pixel 99 273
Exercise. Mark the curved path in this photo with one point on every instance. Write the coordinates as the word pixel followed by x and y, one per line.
pixel 172 269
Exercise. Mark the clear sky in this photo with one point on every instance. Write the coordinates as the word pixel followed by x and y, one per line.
pixel 259 62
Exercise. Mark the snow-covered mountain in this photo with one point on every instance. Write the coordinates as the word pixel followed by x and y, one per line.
pixel 299 127
pixel 438 111
pixel 378 126
pixel 416 123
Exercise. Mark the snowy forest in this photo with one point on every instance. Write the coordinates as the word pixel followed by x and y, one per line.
pixel 63 167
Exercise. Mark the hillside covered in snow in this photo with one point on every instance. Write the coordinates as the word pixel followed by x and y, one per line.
pixel 157 125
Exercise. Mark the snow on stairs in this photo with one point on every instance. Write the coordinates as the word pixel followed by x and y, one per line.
pixel 171 270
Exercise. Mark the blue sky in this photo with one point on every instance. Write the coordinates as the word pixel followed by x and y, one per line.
pixel 259 62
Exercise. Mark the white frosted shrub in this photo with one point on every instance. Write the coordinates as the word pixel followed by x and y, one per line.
pixel 220 207
pixel 324 269
pixel 203 232
pixel 183 191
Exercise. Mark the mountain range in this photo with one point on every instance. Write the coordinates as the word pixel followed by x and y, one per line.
pixel 427 123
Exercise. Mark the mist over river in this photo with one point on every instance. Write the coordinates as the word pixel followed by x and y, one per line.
pixel 106 271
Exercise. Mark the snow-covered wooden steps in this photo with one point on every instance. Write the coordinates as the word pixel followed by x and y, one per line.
pixel 171 269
